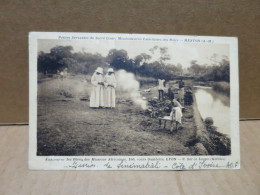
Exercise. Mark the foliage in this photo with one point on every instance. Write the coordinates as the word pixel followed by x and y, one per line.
pixel 217 72
pixel 61 57
pixel 119 60
pixel 88 62
pixel 57 59
pixel 222 87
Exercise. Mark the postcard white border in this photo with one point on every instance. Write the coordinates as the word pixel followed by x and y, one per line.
pixel 133 162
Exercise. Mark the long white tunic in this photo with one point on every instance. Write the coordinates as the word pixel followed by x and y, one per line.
pixel 178 114
pixel 97 92
pixel 109 91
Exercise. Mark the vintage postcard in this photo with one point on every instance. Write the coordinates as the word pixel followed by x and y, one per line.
pixel 106 101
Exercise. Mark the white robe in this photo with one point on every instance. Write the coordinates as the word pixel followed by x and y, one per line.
pixel 109 91
pixel 178 103
pixel 178 114
pixel 97 92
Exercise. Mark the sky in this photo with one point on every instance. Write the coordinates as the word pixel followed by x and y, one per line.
pixel 181 53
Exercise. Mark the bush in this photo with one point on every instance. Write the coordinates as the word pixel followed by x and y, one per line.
pixel 146 80
pixel 221 87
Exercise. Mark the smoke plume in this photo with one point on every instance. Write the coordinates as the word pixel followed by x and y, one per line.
pixel 126 82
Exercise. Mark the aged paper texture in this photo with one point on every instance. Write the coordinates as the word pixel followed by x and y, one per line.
pixel 102 101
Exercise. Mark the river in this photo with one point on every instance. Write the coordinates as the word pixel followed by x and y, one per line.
pixel 215 105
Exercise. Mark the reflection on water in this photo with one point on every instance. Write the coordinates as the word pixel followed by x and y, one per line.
pixel 215 105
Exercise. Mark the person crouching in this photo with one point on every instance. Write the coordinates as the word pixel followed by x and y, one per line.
pixel 110 85
pixel 97 92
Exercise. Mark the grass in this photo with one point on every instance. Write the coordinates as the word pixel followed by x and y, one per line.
pixel 67 126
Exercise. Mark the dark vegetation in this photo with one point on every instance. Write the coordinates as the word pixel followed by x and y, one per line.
pixel 217 72
pixel 61 57
pixel 221 87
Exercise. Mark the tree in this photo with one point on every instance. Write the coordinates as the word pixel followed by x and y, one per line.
pixel 71 64
pixel 139 61
pixel 213 58
pixel 164 54
pixel 91 62
pixel 195 68
pixel 225 69
pixel 61 52
pixel 51 62
pixel 154 48
pixel 119 59
pixel 219 71
pixel 179 69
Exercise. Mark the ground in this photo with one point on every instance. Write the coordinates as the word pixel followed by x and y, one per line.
pixel 68 126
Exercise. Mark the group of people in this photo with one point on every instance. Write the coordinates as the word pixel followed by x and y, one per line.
pixel 103 89
pixel 170 94
pixel 176 112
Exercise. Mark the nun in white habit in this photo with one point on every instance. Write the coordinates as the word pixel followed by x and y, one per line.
pixel 97 92
pixel 110 85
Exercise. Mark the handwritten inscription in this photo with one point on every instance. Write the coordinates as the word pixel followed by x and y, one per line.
pixel 76 165
pixel 149 163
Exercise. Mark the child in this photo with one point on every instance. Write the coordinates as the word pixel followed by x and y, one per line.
pixel 176 114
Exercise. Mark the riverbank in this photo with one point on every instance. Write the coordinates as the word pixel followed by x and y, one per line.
pixel 208 141
pixel 221 87
pixel 68 126
pixel 218 86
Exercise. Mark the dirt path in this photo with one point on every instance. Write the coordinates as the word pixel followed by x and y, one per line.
pixel 67 126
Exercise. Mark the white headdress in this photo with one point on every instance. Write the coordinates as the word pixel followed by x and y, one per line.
pixel 99 70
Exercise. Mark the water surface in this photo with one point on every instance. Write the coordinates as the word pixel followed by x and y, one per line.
pixel 215 105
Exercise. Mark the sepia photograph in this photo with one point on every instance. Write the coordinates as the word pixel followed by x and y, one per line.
pixel 126 96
